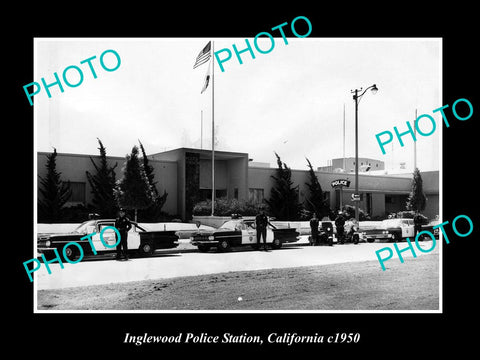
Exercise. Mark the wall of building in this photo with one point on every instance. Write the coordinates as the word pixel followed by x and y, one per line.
pixel 231 173
pixel 237 178
pixel 221 178
pixel 349 166
pixel 73 168
pixel 386 193
pixel 396 188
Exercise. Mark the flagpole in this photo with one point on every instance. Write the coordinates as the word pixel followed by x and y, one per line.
pixel 213 128
pixel 415 144
pixel 343 165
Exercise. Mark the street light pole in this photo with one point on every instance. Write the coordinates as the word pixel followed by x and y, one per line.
pixel 356 97
pixel 356 152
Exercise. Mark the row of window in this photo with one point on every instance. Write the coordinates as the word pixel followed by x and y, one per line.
pixel 254 195
pixel 376 165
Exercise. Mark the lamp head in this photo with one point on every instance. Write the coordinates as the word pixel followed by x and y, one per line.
pixel 374 89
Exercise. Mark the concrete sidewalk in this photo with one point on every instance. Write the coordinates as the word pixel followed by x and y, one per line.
pixel 192 263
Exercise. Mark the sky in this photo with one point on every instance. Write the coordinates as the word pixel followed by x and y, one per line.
pixel 290 101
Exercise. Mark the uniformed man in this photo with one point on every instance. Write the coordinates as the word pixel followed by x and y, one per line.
pixel 261 222
pixel 314 229
pixel 417 221
pixel 123 225
pixel 339 224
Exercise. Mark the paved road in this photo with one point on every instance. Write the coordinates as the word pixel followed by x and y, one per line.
pixel 103 270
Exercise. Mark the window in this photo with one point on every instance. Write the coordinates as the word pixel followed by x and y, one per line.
pixel 220 193
pixel 255 195
pixel 206 194
pixel 389 199
pixel 78 192
pixel 235 193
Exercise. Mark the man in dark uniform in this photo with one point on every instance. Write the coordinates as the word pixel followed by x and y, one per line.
pixel 340 223
pixel 261 222
pixel 314 229
pixel 123 225
pixel 417 223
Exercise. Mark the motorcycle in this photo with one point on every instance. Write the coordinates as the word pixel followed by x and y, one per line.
pixel 325 235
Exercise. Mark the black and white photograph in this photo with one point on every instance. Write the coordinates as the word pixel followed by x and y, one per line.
pixel 290 185
pixel 307 214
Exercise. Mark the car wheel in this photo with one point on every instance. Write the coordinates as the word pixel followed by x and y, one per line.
pixel 223 246
pixel 203 248
pixel 71 253
pixel 395 238
pixel 276 244
pixel 355 238
pixel 146 249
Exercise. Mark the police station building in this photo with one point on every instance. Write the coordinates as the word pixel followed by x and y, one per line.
pixel 186 173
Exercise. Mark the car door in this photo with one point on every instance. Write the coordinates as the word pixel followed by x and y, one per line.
pixel 249 234
pixel 108 234
pixel 133 239
pixel 270 235
pixel 410 229
pixel 406 231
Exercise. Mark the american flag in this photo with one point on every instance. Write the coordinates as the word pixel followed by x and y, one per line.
pixel 207 80
pixel 203 56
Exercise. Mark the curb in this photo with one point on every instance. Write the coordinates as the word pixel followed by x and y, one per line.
pixel 195 249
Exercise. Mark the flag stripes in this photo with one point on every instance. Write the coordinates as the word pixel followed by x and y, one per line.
pixel 203 56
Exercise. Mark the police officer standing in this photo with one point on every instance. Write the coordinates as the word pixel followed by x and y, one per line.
pixel 314 229
pixel 261 222
pixel 417 222
pixel 340 223
pixel 123 225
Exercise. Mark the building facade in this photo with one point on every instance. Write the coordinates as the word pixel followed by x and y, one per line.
pixel 186 175
pixel 347 165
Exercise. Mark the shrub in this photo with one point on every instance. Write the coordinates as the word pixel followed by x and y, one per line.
pixel 226 207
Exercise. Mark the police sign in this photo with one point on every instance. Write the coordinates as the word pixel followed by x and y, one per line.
pixel 340 183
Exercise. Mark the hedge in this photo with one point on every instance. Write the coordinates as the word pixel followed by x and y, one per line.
pixel 227 207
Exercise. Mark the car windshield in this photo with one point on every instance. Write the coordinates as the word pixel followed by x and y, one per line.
pixel 88 227
pixel 230 225
pixel 82 228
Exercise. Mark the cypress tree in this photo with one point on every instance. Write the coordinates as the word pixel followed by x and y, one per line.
pixel 283 202
pixel 154 211
pixel 102 185
pixel 55 192
pixel 417 200
pixel 315 202
pixel 133 191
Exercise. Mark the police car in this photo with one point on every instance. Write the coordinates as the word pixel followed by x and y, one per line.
pixel 241 232
pixel 139 239
pixel 390 229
